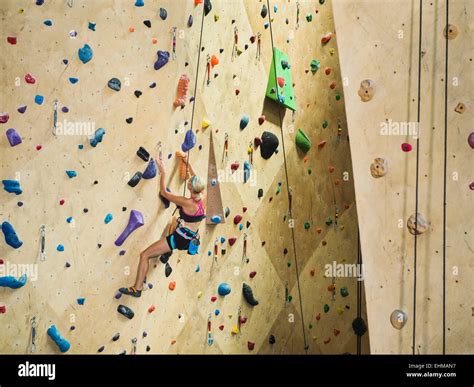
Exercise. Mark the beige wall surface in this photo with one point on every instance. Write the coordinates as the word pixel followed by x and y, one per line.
pixel 321 184
pixel 378 40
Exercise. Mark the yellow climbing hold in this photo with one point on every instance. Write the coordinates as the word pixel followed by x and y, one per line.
pixel 199 294
pixel 235 330
pixel 205 123
pixel 216 18
pixel 332 51
pixel 340 311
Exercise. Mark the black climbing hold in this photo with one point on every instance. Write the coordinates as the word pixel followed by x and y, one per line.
pixel 165 257
pixel 152 85
pixel 85 210
pixel 246 46
pixel 126 311
pixel 248 224
pixel 359 326
pixel 124 209
pixel 190 21
pixel 163 14
pixel 143 154
pixel 227 212
pixel 272 339
pixel 115 84
pixel 221 50
pixel 147 23
pixel 137 93
pixel 116 337
pixel 101 349
pixel 99 245
pixel 186 64
pixel 207 7
pixel 168 270
pixel 96 182
pixel 135 179
pixel 129 120
pixel 248 295
pixel 260 193
pixel 269 145
pixel 285 251
pixel 264 11
pixel 148 348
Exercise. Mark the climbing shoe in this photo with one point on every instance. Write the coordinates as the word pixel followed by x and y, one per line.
pixel 131 291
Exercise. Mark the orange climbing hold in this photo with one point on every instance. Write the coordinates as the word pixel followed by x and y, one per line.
pixel 172 285
pixel 214 61
pixel 151 309
pixel 281 81
pixel 197 2
pixel 182 164
pixel 183 84
pixel 131 29
pixel 321 143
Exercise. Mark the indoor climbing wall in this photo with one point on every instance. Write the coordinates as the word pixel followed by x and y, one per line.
pixel 379 62
pixel 89 83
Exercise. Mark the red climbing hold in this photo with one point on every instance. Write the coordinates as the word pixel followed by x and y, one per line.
pixel 214 60
pixel 336 332
pixel 38 147
pixel 312 272
pixel 252 39
pixel 234 166
pixel 213 299
pixel 11 39
pixel 250 345
pixel 244 209
pixel 243 320
pixel 257 142
pixel 252 274
pixel 30 79
pixel 332 85
pixel 61 202
pixel 232 241
pixel 237 219
pixel 326 38
pixel 406 147
pixel 3 309
pixel 318 317
pixel 237 91
pixel 281 81
pixel 318 230
pixel 197 2
pixel 321 143
pixel 172 285
pixel 151 309
pixel 331 169
pixel 327 70
pixel 261 120
pixel 221 327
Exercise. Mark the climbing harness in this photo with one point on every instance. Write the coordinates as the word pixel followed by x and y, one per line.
pixel 134 346
pixel 209 338
pixel 173 41
pixel 42 254
pixel 236 42
pixel 55 115
pixel 303 326
pixel 33 334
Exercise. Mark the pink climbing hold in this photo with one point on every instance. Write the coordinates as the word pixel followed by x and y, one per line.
pixel 4 117
pixel 281 81
pixel 237 219
pixel 406 147
pixel 30 79
pixel 326 38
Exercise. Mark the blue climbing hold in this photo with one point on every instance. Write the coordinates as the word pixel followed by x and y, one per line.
pixel 151 170
pixel 223 289
pixel 190 21
pixel 11 238
pixel 12 282
pixel 163 58
pixel 189 141
pixel 163 14
pixel 108 218
pixel 139 3
pixel 98 135
pixel 198 269
pixel 39 99
pixel 48 22
pixel 73 80
pixel 61 342
pixel 216 219
pixel 244 121
pixel 81 301
pixel 71 174
pixel 12 186
pixel 92 26
pixel 246 171
pixel 223 239
pixel 217 312
pixel 85 53
pixel 60 248
pixel 69 219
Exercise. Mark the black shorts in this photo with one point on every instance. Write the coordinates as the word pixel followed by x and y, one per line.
pixel 181 238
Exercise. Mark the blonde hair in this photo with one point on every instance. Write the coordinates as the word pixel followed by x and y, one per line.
pixel 197 186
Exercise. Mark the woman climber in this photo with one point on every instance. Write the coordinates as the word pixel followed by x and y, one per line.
pixel 191 213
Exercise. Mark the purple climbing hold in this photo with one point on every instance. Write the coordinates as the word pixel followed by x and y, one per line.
pixel 135 221
pixel 189 141
pixel 470 140
pixel 13 137
pixel 163 58
pixel 21 109
pixel 150 171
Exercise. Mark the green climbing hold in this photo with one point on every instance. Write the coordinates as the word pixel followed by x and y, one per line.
pixel 289 264
pixel 328 221
pixel 338 97
pixel 303 142
pixel 326 308
pixel 309 17
pixel 290 298
pixel 325 124
pixel 310 171
pixel 344 292
pixel 315 65
pixel 310 326
pixel 307 225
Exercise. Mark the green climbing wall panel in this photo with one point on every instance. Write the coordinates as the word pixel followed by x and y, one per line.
pixel 285 95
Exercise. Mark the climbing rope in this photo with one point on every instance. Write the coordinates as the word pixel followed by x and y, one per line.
pixel 194 98
pixel 288 185
pixel 445 174
pixel 417 176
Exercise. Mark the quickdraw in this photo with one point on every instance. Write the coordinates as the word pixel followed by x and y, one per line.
pixel 236 42
pixel 55 116
pixel 33 334
pixel 42 255
pixel 173 41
